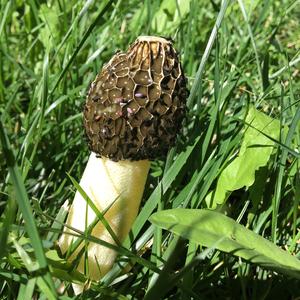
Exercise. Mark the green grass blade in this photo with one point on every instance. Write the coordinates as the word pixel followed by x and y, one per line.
pixel 164 185
pixel 9 217
pixel 24 205
pixel 99 214
pixel 243 9
pixel 81 43
pixel 210 43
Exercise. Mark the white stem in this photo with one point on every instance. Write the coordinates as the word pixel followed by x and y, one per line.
pixel 105 182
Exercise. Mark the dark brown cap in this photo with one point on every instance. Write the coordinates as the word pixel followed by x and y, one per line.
pixel 135 106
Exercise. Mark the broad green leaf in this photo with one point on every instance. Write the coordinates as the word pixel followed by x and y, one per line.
pixel 213 229
pixel 168 16
pixel 255 152
pixel 249 5
pixel 49 32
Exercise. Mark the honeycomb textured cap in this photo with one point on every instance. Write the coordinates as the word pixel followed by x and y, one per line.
pixel 136 105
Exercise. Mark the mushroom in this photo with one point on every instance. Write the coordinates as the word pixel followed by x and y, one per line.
pixel 133 112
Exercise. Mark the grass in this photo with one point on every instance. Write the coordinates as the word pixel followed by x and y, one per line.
pixel 235 54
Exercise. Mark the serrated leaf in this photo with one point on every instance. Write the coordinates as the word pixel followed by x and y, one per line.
pixel 255 153
pixel 213 229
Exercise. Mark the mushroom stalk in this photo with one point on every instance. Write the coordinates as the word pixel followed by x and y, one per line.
pixel 117 185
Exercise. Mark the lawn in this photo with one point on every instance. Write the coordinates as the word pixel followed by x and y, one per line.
pixel 220 217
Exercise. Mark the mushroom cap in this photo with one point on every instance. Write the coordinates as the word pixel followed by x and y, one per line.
pixel 135 106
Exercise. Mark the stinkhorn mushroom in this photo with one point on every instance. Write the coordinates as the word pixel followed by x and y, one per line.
pixel 133 112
